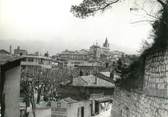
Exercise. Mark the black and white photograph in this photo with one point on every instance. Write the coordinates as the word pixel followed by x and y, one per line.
pixel 83 58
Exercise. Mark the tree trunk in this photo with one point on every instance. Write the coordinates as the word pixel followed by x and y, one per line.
pixel 2 93
pixel 33 107
pixel 32 100
pixel 38 95
pixel 26 113
pixel 3 105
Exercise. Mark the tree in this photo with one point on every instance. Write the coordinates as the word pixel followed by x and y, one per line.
pixel 34 80
pixel 160 28
pixel 91 7
pixel 43 82
pixel 27 85
pixel 27 88
pixel 132 75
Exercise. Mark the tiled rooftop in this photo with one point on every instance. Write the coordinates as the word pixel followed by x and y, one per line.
pixel 92 81
pixel 70 100
pixel 107 74
pixel 7 58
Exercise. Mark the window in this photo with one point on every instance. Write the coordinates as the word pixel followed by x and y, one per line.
pixel 30 59
pixel 82 111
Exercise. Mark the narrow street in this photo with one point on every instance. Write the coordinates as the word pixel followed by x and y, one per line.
pixel 104 114
pixel 46 112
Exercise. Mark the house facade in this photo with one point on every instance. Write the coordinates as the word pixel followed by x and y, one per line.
pixel 69 107
pixel 88 96
pixel 10 85
pixel 19 52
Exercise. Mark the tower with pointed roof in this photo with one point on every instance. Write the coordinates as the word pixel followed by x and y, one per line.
pixel 105 48
pixel 106 44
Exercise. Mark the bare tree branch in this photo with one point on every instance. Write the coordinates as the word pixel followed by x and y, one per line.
pixel 149 14
pixel 162 3
pixel 142 21
pixel 90 7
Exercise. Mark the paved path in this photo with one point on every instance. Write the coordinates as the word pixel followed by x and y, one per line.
pixel 46 112
pixel 42 113
pixel 104 114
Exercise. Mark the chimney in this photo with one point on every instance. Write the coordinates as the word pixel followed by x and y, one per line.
pixel 10 49
pixel 95 80
pixel 112 74
pixel 18 47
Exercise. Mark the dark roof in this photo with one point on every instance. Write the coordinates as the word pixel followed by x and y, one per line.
pixel 7 58
pixel 2 51
pixel 92 81
pixel 73 92
pixel 70 100
pixel 9 61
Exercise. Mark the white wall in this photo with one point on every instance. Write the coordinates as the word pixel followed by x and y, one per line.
pixel 12 92
pixel 73 109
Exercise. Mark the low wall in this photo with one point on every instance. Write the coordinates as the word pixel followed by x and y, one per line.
pixel 134 104
pixel 156 74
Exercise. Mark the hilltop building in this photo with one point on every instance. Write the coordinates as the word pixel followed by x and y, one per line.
pixel 72 58
pixel 20 52
pixel 88 68
pixel 95 53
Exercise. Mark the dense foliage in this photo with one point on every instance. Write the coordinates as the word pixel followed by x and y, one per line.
pixel 160 29
pixel 131 76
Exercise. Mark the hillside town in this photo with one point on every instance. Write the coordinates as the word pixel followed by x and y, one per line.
pixel 72 83
pixel 81 83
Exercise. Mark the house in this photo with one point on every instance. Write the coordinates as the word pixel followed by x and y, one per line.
pixel 9 85
pixel 69 107
pixel 100 52
pixel 37 61
pixel 20 52
pixel 91 93
pixel 71 58
pixel 92 81
pixel 2 52
pixel 88 68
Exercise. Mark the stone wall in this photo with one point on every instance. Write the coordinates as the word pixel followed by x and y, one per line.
pixel 136 104
pixel 156 74
pixel 152 100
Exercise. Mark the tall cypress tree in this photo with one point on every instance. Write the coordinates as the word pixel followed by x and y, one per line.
pixel 160 28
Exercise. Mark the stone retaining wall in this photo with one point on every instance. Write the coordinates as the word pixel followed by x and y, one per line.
pixel 152 101
pixel 133 104
pixel 156 74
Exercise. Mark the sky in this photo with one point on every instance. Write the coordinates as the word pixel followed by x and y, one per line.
pixel 48 25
